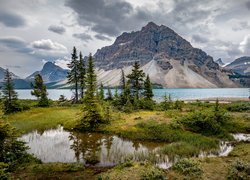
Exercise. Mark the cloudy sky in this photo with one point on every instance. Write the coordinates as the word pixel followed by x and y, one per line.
pixel 35 31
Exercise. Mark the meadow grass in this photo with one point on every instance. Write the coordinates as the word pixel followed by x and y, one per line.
pixel 43 118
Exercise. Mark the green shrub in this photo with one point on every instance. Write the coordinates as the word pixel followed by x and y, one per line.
pixel 154 174
pixel 239 107
pixel 239 170
pixel 207 123
pixel 3 171
pixel 188 167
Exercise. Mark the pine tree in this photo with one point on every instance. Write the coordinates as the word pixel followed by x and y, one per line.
pixel 9 95
pixel 73 74
pixel 136 80
pixel 82 75
pixel 109 95
pixel 92 110
pixel 40 91
pixel 148 91
pixel 123 81
pixel 101 92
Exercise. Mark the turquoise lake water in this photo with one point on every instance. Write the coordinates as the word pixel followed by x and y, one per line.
pixel 181 94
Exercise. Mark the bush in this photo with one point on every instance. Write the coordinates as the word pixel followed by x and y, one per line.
pixel 12 151
pixel 239 170
pixel 239 107
pixel 3 174
pixel 207 122
pixel 188 167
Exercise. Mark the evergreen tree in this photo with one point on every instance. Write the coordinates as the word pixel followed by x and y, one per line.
pixel 9 95
pixel 92 110
pixel 109 95
pixel 101 92
pixel 82 75
pixel 73 74
pixel 116 95
pixel 148 91
pixel 40 91
pixel 136 80
pixel 123 81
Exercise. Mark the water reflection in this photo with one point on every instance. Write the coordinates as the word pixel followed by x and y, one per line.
pixel 58 145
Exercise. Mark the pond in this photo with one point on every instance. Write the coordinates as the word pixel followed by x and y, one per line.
pixel 59 145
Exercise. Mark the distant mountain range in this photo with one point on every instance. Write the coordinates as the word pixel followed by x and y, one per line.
pixel 240 69
pixel 170 61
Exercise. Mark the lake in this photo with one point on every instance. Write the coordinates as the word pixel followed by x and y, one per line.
pixel 181 93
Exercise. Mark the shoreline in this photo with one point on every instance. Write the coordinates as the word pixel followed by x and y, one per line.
pixel 220 99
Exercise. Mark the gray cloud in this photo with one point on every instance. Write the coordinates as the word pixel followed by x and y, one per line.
pixel 16 44
pixel 242 25
pixel 11 19
pixel 100 15
pixel 101 37
pixel 57 29
pixel 248 4
pixel 199 39
pixel 245 45
pixel 82 36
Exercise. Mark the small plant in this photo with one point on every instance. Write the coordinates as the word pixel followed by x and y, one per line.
pixel 188 167
pixel 239 171
pixel 3 174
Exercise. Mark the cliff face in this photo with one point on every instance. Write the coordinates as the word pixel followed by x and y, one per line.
pixel 158 48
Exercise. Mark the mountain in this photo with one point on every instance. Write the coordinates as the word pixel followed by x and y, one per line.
pixel 241 70
pixel 220 62
pixel 2 74
pixel 50 73
pixel 18 82
pixel 240 65
pixel 170 60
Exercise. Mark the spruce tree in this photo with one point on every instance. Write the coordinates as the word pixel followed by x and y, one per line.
pixel 101 92
pixel 109 95
pixel 92 110
pixel 40 91
pixel 82 75
pixel 136 80
pixel 73 74
pixel 148 91
pixel 9 95
pixel 123 81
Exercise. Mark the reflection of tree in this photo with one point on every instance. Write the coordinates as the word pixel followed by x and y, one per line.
pixel 76 146
pixel 108 143
pixel 87 144
pixel 136 145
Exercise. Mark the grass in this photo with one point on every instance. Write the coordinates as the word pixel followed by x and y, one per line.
pixel 135 171
pixel 44 118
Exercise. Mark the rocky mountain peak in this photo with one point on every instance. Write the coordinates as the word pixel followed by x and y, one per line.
pixel 160 49
pixel 50 73
pixel 220 62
